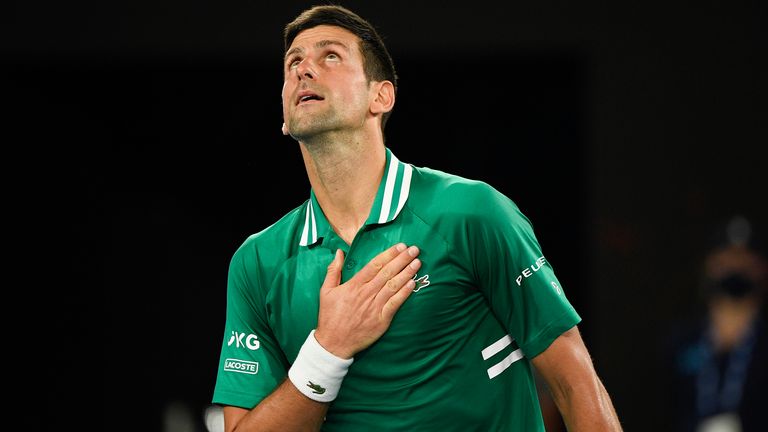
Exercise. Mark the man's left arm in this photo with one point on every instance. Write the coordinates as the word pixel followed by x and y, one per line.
pixel 567 368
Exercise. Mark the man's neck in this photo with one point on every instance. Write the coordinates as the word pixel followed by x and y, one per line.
pixel 345 174
pixel 732 319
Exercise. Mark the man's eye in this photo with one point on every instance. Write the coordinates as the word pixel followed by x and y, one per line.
pixel 293 64
pixel 332 56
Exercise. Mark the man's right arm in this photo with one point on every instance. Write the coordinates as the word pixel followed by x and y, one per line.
pixel 352 316
pixel 286 409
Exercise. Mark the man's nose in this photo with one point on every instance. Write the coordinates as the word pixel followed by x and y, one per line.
pixel 306 69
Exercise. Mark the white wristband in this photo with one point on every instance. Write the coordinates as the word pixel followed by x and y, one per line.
pixel 316 372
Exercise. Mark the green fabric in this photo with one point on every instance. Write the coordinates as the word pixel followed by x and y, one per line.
pixel 487 278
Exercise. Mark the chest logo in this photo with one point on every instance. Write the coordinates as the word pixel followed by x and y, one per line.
pixel 421 282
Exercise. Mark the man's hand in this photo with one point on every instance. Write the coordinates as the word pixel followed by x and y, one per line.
pixel 355 314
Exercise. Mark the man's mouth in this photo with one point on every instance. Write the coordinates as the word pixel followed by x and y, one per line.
pixel 306 97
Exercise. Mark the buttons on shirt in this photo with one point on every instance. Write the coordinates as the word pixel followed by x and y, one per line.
pixel 350 264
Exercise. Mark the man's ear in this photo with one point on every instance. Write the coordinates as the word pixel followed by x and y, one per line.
pixel 384 99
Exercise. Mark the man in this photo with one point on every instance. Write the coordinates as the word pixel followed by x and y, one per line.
pixel 396 297
pixel 717 362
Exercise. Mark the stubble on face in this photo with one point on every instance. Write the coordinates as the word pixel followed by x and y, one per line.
pixel 305 126
pixel 342 87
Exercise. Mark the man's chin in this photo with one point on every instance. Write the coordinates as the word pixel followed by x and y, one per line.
pixel 304 132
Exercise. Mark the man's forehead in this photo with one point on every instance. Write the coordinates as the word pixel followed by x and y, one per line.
pixel 323 35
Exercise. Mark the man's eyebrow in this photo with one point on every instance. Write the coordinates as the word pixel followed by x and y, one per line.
pixel 319 44
pixel 293 51
pixel 324 43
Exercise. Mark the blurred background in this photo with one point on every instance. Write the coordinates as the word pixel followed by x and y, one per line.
pixel 143 146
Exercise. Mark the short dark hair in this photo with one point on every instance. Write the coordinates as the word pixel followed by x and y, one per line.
pixel 377 63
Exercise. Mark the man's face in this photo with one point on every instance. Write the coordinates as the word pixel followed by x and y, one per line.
pixel 325 87
pixel 736 260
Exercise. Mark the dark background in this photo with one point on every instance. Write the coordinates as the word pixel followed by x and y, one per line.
pixel 143 146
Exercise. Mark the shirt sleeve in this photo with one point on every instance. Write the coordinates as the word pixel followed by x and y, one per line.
pixel 515 276
pixel 251 363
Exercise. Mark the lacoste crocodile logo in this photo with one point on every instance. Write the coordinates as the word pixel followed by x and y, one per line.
pixel 316 388
pixel 421 282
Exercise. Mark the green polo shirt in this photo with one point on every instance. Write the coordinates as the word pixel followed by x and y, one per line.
pixel 457 354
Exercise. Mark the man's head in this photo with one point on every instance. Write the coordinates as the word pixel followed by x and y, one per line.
pixel 736 267
pixel 304 62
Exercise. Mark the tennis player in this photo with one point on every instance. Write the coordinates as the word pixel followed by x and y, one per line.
pixel 396 297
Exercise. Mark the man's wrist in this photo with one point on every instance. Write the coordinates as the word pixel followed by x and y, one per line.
pixel 330 347
pixel 316 372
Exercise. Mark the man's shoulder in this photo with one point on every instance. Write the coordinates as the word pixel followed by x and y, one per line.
pixel 448 200
pixel 280 234
pixel 453 190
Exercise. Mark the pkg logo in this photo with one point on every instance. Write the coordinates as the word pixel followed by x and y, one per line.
pixel 250 341
pixel 241 366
